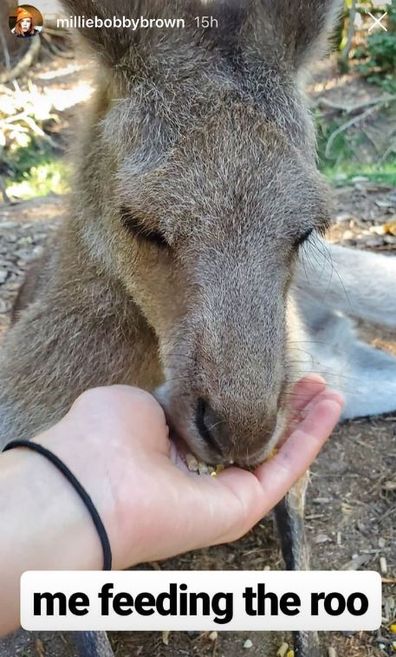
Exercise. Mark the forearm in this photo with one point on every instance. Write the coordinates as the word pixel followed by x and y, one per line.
pixel 45 526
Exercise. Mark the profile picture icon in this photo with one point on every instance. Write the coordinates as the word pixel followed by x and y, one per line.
pixel 25 21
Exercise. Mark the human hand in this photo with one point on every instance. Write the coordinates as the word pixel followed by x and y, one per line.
pixel 115 440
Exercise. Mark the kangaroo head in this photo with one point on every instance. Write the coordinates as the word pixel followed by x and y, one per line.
pixel 198 187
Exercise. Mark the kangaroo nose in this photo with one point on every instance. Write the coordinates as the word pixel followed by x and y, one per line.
pixel 234 438
pixel 212 427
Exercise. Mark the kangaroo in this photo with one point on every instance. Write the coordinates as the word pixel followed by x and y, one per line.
pixel 188 263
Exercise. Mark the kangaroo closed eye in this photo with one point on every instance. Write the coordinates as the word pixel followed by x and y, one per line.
pixel 135 225
pixel 304 237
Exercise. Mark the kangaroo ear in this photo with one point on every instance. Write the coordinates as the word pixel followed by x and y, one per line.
pixel 110 26
pixel 110 42
pixel 294 31
pixel 289 32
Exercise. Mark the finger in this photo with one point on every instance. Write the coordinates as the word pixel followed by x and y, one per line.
pixel 305 390
pixel 305 394
pixel 226 510
pixel 303 445
pixel 328 393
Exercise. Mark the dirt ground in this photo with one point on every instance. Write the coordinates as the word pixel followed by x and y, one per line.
pixel 351 506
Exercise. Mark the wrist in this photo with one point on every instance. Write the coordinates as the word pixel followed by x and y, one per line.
pixel 87 457
pixel 46 526
pixel 50 529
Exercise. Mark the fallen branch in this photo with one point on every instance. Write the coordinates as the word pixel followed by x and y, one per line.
pixel 39 131
pixel 58 52
pixel 354 121
pixel 24 64
pixel 6 90
pixel 351 109
pixel 31 123
pixel 344 127
pixel 391 149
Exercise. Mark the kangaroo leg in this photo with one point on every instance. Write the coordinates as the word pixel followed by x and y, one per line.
pixel 289 517
pixel 92 644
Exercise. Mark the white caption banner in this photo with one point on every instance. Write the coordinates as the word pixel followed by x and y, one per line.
pixel 201 600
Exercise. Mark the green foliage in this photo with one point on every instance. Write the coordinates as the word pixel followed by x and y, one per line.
pixel 346 173
pixel 41 180
pixel 21 158
pixel 345 161
pixel 382 51
pixel 343 147
pixel 379 55
pixel 29 156
pixel 35 171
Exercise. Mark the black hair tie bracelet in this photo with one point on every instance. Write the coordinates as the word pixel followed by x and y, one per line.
pixel 104 539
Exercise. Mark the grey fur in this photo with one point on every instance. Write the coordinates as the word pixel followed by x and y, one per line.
pixel 205 137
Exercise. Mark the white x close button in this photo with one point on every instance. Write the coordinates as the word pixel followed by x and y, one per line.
pixel 377 22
